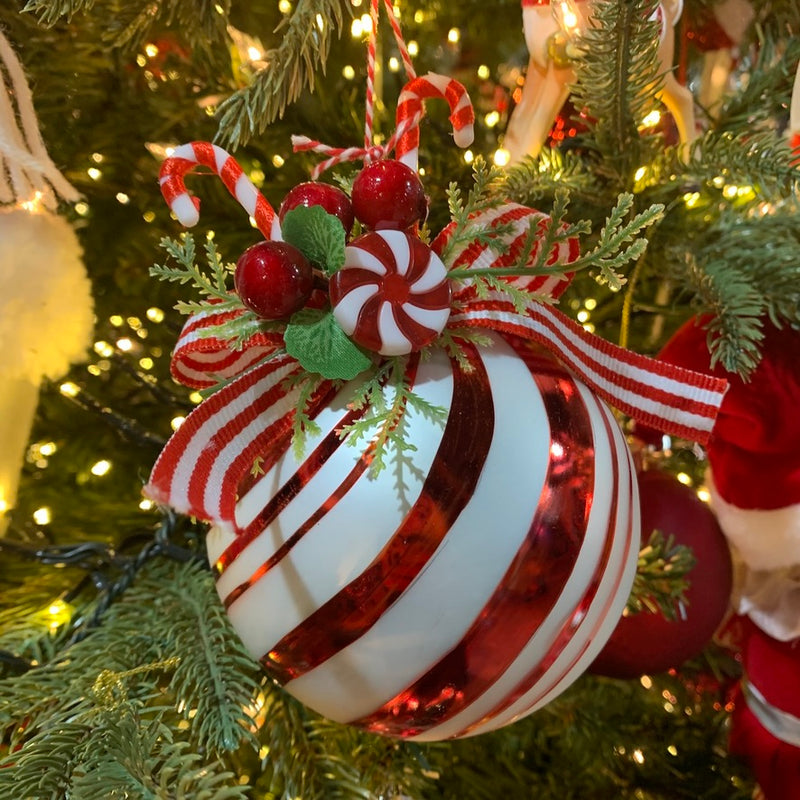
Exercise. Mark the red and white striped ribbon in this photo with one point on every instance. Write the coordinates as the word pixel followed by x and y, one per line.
pixel 660 395
pixel 201 468
pixel 203 356
pixel 186 208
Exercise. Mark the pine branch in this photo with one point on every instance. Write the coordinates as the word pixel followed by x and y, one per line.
pixel 660 583
pixel 534 179
pixel 129 23
pixel 617 77
pixel 305 42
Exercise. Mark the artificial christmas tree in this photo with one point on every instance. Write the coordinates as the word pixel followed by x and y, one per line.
pixel 121 673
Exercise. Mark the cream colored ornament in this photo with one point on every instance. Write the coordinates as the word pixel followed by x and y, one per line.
pixel 46 316
pixel 550 31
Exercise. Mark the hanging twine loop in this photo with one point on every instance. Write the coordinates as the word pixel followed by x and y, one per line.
pixel 371 151
pixel 27 174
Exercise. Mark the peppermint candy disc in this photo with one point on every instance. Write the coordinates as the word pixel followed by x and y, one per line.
pixel 392 295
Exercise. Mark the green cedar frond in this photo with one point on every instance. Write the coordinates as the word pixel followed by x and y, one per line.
pixel 213 286
pixel 302 424
pixel 291 67
pixel 660 583
pixel 380 423
pixel 617 76
pixel 611 253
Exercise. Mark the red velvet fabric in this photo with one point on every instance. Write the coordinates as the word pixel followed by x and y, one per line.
pixel 754 451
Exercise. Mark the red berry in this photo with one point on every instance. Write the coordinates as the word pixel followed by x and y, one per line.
pixel 273 279
pixel 388 195
pixel 330 198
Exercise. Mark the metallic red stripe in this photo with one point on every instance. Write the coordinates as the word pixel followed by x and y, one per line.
pixel 534 580
pixel 575 620
pixel 315 461
pixel 290 489
pixel 446 491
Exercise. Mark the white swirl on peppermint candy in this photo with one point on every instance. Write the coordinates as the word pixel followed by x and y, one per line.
pixel 392 295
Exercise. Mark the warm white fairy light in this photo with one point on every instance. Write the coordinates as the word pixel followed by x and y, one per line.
pixel 652 119
pixel 285 7
pixel 469 156
pixel 82 209
pixel 176 422
pixel 646 681
pixel 704 495
pixel 638 756
pixel 501 157
pixel 104 349
pixel 149 216
pixel 691 199
pixel 42 516
pixel 278 161
pixel 196 397
pixel 69 389
pixel 348 72
pixel 116 320
pixel 100 468
pixel 492 118
pixel 94 173
pixel 122 198
pixel 453 35
pixel 146 363
pixel 413 48
pixel 124 344
pixel 151 50
pixel 640 173
pixel 155 314
pixel 685 479
pixel 394 64
pixel 484 72
pixel 47 448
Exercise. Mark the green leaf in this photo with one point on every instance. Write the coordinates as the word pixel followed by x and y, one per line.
pixel 317 341
pixel 318 235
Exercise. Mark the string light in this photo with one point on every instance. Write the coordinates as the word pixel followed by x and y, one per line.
pixel 101 468
pixel 155 314
pixel 69 389
pixel 501 157
pixel 42 516
pixel 685 479
pixel 484 72
pixel 348 72
pixel 176 422
pixel 453 35
pixel 652 119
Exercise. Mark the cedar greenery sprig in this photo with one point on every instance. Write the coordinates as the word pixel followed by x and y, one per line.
pixel 381 426
pixel 213 286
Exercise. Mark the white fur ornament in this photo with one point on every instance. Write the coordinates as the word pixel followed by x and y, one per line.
pixel 46 316
pixel 46 313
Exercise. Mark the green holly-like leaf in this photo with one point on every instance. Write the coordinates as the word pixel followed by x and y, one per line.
pixel 318 235
pixel 317 341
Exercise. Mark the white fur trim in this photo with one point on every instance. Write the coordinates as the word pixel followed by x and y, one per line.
pixel 766 539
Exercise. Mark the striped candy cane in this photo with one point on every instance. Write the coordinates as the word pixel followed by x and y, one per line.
pixel 187 208
pixel 410 109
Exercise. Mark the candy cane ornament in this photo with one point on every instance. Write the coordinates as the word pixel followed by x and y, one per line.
pixel 187 208
pixel 410 108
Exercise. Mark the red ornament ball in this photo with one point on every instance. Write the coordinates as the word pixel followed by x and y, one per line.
pixel 388 195
pixel 273 279
pixel 648 642
pixel 330 198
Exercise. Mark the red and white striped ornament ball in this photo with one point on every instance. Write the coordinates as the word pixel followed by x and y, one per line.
pixel 454 592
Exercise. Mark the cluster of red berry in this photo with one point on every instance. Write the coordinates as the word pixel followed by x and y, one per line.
pixel 274 279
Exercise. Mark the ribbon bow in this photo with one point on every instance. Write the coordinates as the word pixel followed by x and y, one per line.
pixel 205 465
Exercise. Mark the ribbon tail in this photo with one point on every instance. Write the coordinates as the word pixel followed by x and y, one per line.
pixel 660 395
pixel 239 431
pixel 203 355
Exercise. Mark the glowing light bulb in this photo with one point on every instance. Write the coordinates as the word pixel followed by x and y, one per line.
pixel 101 468
pixel 42 516
pixel 501 157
